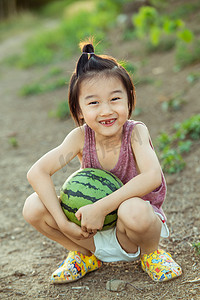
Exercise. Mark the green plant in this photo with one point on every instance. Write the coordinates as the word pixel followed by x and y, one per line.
pixel 172 104
pixel 148 22
pixel 196 246
pixel 13 141
pixel 171 147
pixel 163 141
pixel 187 54
pixel 58 43
pixel 39 88
pixel 193 77
pixel 62 111
pixel 184 146
pixel 190 128
pixel 185 9
pixel 171 161
pixel 130 68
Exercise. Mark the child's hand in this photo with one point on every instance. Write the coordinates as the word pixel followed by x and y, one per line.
pixel 71 229
pixel 91 218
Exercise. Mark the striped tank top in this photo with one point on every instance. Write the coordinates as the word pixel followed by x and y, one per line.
pixel 125 169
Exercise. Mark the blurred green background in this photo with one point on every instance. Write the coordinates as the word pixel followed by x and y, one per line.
pixel 50 32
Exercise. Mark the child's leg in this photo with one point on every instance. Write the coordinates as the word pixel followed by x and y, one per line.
pixel 138 225
pixel 36 214
pixel 79 261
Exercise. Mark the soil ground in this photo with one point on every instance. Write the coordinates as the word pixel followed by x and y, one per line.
pixel 28 258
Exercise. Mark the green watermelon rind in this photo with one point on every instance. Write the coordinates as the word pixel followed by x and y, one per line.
pixel 109 186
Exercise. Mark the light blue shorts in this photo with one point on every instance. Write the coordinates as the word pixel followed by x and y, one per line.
pixel 108 249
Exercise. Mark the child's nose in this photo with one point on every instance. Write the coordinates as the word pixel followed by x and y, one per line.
pixel 106 109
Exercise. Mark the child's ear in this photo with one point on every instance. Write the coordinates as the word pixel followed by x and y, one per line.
pixel 80 115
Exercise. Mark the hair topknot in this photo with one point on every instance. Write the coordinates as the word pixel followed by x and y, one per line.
pixel 88 48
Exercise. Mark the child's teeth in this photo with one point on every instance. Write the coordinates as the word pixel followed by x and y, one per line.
pixel 107 122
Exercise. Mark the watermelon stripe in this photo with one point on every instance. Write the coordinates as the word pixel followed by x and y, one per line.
pixel 103 180
pixel 79 194
pixel 81 185
pixel 74 210
pixel 85 187
pixel 68 208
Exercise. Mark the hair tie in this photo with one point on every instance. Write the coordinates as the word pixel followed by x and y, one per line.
pixel 87 52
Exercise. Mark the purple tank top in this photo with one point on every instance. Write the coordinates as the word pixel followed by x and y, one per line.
pixel 125 168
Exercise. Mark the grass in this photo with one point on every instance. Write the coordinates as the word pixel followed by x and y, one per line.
pixel 13 142
pixel 196 246
pixel 173 104
pixel 60 43
pixel 40 88
pixel 16 24
pixel 62 111
pixel 171 147
pixel 187 54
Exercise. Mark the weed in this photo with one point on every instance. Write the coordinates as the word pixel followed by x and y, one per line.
pixel 62 111
pixel 193 77
pixel 171 161
pixel 39 88
pixel 187 54
pixel 196 246
pixel 161 32
pixel 171 147
pixel 163 141
pixel 166 43
pixel 184 10
pixel 184 146
pixel 172 104
pixel 130 68
pixel 190 128
pixel 59 43
pixel 54 72
pixel 13 142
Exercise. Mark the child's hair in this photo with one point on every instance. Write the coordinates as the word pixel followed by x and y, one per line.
pixel 88 67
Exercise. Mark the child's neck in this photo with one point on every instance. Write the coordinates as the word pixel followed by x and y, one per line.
pixel 108 150
pixel 109 139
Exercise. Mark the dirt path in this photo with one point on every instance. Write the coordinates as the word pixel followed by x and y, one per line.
pixel 28 258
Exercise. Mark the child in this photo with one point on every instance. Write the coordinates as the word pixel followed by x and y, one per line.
pixel 102 95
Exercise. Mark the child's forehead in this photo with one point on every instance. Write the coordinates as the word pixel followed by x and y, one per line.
pixel 99 81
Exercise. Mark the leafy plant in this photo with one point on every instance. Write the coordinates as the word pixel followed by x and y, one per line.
pixel 193 77
pixel 171 147
pixel 172 104
pixel 187 54
pixel 61 42
pixel 197 247
pixel 171 161
pixel 163 141
pixel 184 146
pixel 13 142
pixel 190 128
pixel 39 88
pixel 130 68
pixel 148 22
pixel 62 111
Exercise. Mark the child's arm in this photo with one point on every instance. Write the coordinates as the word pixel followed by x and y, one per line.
pixel 39 176
pixel 148 178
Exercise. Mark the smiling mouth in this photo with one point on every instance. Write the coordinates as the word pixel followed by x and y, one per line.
pixel 108 122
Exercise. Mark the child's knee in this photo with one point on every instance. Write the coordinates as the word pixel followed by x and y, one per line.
pixel 33 209
pixel 136 215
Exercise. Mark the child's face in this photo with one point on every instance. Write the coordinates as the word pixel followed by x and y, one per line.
pixel 104 104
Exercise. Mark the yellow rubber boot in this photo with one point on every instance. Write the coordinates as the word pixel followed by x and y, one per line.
pixel 160 266
pixel 74 267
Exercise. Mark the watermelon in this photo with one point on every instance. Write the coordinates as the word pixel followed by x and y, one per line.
pixel 86 186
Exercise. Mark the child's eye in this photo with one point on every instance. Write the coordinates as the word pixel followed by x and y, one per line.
pixel 93 102
pixel 115 98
